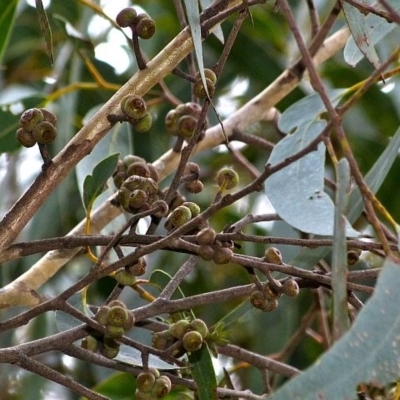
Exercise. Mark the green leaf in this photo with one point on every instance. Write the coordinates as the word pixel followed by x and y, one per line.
pixel 94 184
pixel 358 28
pixel 46 30
pixel 339 252
pixel 369 352
pixel 117 386
pixel 377 29
pixel 297 191
pixel 203 373
pixel 7 18
pixel 9 123
pixel 193 16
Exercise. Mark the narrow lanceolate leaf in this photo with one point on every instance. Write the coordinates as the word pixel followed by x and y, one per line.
pixel 203 373
pixel 193 16
pixel 369 352
pixel 7 17
pixel 297 191
pixel 46 30
pixel 359 31
pixel 94 184
pixel 377 29
pixel 339 252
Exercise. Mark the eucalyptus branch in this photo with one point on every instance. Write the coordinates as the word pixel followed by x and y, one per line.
pixel 259 108
pixel 90 134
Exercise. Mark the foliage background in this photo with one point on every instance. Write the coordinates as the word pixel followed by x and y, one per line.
pixel 263 49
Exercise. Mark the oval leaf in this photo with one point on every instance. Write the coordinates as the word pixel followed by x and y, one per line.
pixel 94 184
pixel 369 352
pixel 377 29
pixel 358 28
pixel 307 109
pixel 297 191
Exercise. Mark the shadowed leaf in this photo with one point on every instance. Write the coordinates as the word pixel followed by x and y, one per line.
pixel 7 19
pixel 94 184
pixel 46 30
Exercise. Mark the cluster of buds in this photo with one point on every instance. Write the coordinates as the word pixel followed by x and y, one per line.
pixel 137 184
pixel 150 385
pixel 117 319
pixel 183 335
pixel 36 125
pixel 267 298
pixel 212 249
pixel 182 121
pixel 192 183
pixel 211 80
pixel 181 214
pixel 141 24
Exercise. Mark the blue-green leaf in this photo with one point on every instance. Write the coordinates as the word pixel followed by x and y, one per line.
pixel 203 373
pixel 7 18
pixel 339 251
pixel 307 109
pixel 359 31
pixel 94 184
pixel 376 28
pixel 297 191
pixel 369 352
pixel 374 179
